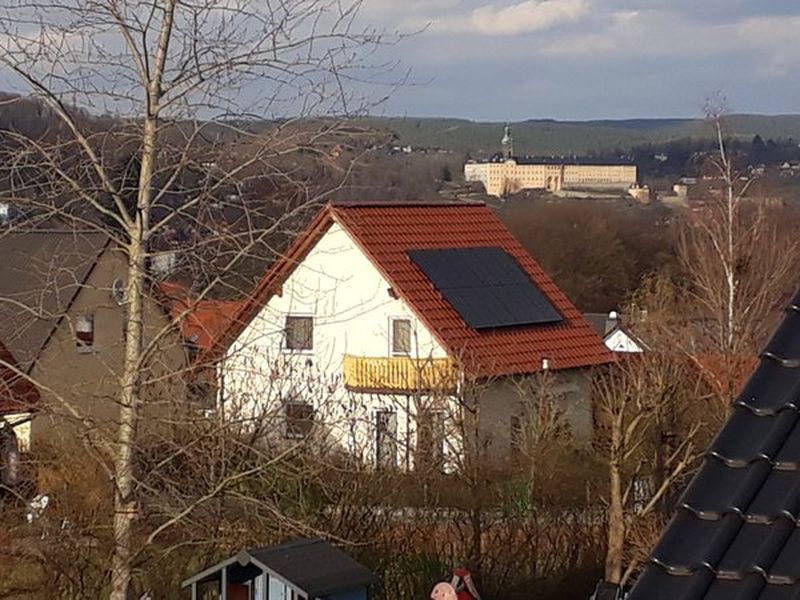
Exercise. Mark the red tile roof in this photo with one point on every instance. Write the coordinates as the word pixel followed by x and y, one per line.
pixel 17 394
pixel 385 232
pixel 201 321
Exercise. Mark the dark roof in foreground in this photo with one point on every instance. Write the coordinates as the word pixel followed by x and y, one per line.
pixel 736 534
pixel 315 566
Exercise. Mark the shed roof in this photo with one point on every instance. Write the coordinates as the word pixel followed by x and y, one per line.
pixel 313 566
pixel 316 566
pixel 387 231
pixel 736 533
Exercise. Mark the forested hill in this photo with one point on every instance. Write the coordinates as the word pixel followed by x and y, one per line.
pixel 536 136
pixel 573 137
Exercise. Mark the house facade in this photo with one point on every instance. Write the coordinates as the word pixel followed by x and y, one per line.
pixel 348 339
pixel 508 175
pixel 63 319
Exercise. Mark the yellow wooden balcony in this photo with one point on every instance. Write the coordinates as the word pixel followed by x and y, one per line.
pixel 399 374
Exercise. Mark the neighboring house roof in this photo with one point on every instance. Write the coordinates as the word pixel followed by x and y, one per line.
pixel 718 370
pixel 736 534
pixel 387 231
pixel 602 323
pixel 41 272
pixel 616 333
pixel 17 393
pixel 313 566
pixel 201 321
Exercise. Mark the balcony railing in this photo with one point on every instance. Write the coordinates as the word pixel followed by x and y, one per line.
pixel 399 374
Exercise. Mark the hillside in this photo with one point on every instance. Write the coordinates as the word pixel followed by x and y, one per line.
pixel 572 137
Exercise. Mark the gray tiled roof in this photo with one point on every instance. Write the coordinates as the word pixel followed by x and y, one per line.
pixel 315 566
pixel 40 274
pixel 736 534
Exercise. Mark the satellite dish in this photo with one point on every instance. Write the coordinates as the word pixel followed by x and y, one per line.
pixel 118 292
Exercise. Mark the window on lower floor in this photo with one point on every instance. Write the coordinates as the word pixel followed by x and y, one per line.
pixel 299 333
pixel 430 439
pixel 299 420
pixel 385 439
pixel 84 333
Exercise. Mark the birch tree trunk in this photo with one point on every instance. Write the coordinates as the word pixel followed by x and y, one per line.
pixel 130 401
pixel 616 512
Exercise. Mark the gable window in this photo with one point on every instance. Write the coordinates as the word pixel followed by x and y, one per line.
pixel 299 420
pixel 385 439
pixel 400 334
pixel 299 333
pixel 84 333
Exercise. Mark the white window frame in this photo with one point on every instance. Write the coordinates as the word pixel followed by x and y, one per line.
pixel 411 336
pixel 284 338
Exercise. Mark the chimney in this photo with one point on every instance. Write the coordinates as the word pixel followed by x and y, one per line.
pixel 612 321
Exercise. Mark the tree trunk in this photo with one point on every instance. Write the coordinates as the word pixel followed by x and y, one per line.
pixel 616 524
pixel 124 502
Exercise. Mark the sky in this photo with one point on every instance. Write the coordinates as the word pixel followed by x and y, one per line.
pixel 591 59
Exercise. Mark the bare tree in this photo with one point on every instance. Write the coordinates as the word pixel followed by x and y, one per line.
pixel 183 79
pixel 647 442
pixel 739 265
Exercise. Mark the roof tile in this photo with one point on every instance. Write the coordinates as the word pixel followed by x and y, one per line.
pixel 387 231
pixel 737 530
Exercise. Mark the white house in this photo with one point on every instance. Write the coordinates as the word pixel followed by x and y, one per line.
pixel 383 318
pixel 616 335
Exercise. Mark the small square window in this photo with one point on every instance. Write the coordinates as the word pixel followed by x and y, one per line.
pixel 299 420
pixel 299 333
pixel 401 336
pixel 84 333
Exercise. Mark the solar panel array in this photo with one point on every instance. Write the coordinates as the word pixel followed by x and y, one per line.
pixel 485 286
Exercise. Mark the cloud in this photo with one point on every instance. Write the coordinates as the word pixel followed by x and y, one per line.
pixel 658 33
pixel 524 17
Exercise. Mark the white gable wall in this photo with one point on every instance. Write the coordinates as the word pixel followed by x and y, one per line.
pixel 349 299
pixel 619 341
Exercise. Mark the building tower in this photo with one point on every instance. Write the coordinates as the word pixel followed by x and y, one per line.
pixel 508 142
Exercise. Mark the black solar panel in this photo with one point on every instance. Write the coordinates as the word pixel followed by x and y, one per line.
pixel 486 286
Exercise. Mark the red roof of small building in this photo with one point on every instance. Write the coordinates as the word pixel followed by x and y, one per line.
pixel 386 231
pixel 17 393
pixel 201 321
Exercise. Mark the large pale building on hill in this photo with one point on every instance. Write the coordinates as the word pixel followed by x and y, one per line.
pixel 506 174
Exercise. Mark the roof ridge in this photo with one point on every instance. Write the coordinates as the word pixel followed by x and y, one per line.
pixel 400 203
